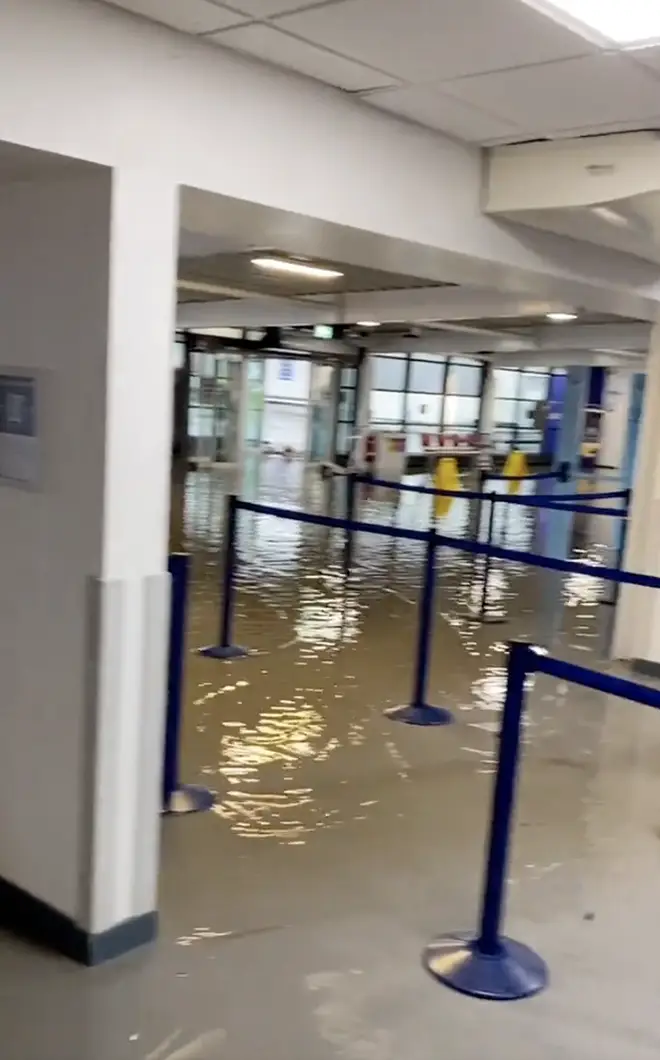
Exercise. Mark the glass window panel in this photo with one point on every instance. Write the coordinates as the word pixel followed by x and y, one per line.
pixel 343 438
pixel 525 413
pixel 530 441
pixel 202 363
pixel 178 354
pixel 389 373
pixel 507 382
pixel 505 411
pixel 348 377
pixel 426 377
pixel 463 379
pixel 533 386
pixel 255 369
pixel 461 411
pixel 385 406
pixel 502 439
pixel 346 405
pixel 414 436
pixel 424 409
pixel 200 423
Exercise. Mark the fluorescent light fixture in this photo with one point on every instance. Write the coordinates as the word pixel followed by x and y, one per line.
pixel 611 216
pixel 296 268
pixel 633 23
pixel 367 323
pixel 560 318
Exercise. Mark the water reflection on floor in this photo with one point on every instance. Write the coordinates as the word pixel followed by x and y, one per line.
pixel 293 916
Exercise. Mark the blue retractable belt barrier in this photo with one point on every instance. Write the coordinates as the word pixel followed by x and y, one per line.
pixel 475 547
pixel 553 500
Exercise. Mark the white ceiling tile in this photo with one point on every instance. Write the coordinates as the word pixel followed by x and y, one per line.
pixel 597 90
pixel 429 107
pixel 264 42
pixel 266 8
pixel 433 40
pixel 190 16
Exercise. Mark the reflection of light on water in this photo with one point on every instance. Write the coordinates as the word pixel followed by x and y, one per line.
pixel 276 815
pixel 324 620
pixel 283 734
pixel 584 588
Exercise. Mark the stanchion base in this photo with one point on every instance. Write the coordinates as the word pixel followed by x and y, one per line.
pixel 515 972
pixel 189 798
pixel 485 620
pixel 227 651
pixel 420 714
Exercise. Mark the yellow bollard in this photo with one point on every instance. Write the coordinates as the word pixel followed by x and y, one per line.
pixel 446 478
pixel 516 467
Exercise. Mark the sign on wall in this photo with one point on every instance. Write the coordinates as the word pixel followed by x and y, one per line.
pixel 286 371
pixel 19 446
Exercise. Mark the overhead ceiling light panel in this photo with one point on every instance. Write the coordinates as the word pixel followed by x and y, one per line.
pixel 628 23
pixel 560 318
pixel 367 323
pixel 296 268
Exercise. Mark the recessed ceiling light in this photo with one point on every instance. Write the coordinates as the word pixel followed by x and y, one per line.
pixel 560 318
pixel 367 323
pixel 296 268
pixel 635 23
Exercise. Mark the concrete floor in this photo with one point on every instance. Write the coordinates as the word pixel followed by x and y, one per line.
pixel 294 915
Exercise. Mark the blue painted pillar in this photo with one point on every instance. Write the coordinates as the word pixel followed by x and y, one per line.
pixel 559 525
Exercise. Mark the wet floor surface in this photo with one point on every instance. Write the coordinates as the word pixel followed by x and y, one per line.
pixel 294 914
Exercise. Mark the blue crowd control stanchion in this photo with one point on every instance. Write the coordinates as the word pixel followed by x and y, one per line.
pixel 418 711
pixel 613 600
pixel 178 798
pixel 351 491
pixel 490 965
pixel 483 614
pixel 483 478
pixel 225 649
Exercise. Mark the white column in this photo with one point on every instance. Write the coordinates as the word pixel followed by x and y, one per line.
pixel 637 624
pixel 614 427
pixel 87 310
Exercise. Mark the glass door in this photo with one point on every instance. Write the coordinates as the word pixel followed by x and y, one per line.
pixel 254 402
pixel 321 413
pixel 214 407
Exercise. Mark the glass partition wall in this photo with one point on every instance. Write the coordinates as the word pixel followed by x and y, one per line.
pixel 421 395
pixel 519 395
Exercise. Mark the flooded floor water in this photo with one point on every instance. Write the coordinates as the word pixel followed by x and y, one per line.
pixel 295 913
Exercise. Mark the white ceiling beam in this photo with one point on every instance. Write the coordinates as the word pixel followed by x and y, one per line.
pixel 286 187
pixel 545 340
pixel 625 336
pixel 414 305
